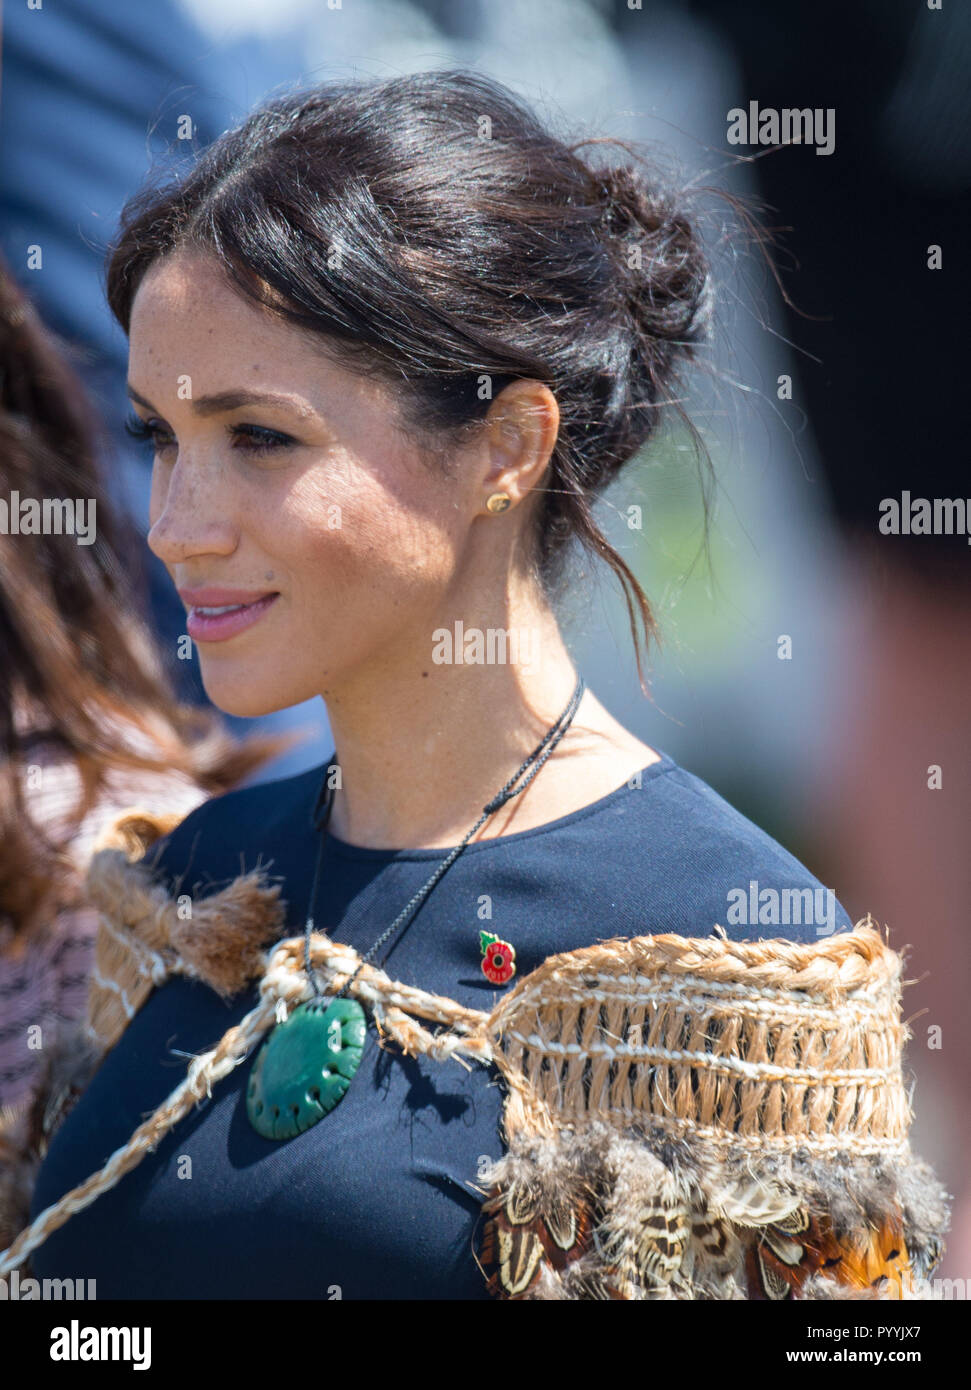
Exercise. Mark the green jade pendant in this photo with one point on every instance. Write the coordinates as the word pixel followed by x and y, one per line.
pixel 304 1067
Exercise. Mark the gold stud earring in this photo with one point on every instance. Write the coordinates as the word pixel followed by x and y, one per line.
pixel 499 501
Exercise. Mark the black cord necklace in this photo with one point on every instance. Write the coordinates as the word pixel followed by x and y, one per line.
pixel 306 1065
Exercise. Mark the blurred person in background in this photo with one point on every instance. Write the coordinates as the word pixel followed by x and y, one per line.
pixel 88 725
pixel 92 94
pixel 881 370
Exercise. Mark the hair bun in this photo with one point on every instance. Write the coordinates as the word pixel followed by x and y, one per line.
pixel 660 255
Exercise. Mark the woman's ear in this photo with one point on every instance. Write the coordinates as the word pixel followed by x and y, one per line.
pixel 521 432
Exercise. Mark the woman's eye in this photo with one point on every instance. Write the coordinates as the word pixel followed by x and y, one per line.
pixel 252 439
pixel 149 432
pixel 257 439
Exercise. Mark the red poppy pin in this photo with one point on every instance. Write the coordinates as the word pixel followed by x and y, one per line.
pixel 498 958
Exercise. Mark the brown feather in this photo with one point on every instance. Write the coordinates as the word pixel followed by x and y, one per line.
pixel 521 1234
pixel 781 1258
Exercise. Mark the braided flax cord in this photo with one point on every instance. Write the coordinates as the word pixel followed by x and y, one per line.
pixel 762 1044
pixel 395 1007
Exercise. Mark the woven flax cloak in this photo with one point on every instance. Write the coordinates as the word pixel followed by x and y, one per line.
pixel 684 1118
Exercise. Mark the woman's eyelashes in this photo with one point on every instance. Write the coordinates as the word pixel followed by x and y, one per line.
pixel 147 431
pixel 252 439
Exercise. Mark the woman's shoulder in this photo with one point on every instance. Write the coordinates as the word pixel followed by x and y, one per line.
pixel 668 853
pixel 700 820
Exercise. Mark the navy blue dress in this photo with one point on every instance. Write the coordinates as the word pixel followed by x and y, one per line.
pixel 379 1199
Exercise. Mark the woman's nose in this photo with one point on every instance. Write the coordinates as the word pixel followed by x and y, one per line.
pixel 188 517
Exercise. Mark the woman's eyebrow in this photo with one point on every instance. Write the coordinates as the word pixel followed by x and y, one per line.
pixel 231 400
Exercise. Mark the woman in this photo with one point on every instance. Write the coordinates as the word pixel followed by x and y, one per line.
pixel 88 726
pixel 431 335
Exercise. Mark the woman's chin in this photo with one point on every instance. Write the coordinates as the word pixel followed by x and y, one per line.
pixel 245 699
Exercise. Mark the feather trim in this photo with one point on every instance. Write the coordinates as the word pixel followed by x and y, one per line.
pixel 595 1213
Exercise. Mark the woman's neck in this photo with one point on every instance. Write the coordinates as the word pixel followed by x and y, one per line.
pixel 424 747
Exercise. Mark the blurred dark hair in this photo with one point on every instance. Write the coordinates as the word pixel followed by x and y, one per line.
pixel 434 233
pixel 77 668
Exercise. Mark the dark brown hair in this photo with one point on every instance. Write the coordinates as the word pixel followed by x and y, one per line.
pixel 434 234
pixel 77 668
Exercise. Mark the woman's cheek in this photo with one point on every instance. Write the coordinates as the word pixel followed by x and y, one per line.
pixel 330 524
pixel 340 532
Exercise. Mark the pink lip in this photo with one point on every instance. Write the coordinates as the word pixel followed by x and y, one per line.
pixel 219 627
pixel 214 597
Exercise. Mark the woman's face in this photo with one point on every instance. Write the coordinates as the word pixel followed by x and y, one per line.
pixel 305 535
